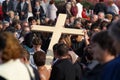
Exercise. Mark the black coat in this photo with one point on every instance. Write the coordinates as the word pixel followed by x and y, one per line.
pixel 63 70
pixel 7 8
pixel 25 10
pixel 100 7
pixel 41 15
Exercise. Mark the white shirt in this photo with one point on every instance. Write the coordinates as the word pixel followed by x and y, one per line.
pixel 15 70
pixel 80 9
pixel 113 9
pixel 22 4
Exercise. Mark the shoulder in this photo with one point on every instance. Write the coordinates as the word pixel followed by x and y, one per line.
pixel 64 63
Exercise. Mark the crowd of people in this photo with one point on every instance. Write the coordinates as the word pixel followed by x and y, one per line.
pixel 94 56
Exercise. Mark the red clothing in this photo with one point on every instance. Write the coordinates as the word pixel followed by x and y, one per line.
pixel 84 14
pixel 74 10
pixel 1 13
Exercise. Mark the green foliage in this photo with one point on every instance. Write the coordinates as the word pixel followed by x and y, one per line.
pixel 87 4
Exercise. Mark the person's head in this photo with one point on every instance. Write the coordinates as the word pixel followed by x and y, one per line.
pixel 102 46
pixel 104 25
pixel 114 32
pixel 37 3
pixel 25 56
pixel 10 47
pixel 101 15
pixel 18 27
pixel 77 25
pixel 6 24
pixel 55 50
pixel 26 30
pixel 37 42
pixel 62 50
pixel 32 21
pixel 109 17
pixel 95 27
pixel 51 2
pixel 11 14
pixel 39 58
pixel 73 3
pixel 24 24
pixel 110 2
pixel 66 39
pixel 94 18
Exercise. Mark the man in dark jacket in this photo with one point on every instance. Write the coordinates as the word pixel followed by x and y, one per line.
pixel 22 9
pixel 7 6
pixel 62 69
pixel 111 70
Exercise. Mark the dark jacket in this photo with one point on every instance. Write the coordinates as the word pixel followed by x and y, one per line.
pixel 25 10
pixel 63 70
pixel 100 7
pixel 111 71
pixel 6 8
pixel 41 15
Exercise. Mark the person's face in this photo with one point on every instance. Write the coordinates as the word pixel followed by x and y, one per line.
pixel 34 22
pixel 18 27
pixel 98 52
pixel 37 3
pixel 94 18
pixel 101 16
pixel 37 47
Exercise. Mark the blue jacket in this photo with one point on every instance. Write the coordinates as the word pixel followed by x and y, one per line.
pixel 111 70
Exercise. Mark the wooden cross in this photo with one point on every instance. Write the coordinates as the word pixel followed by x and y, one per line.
pixel 57 30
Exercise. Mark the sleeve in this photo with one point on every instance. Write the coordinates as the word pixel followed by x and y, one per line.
pixel 26 8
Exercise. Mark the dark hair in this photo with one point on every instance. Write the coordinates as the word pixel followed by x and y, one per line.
pixel 104 24
pixel 28 40
pixel 39 58
pixel 55 47
pixel 62 49
pixel 105 41
pixel 36 41
pixel 30 19
pixel 51 1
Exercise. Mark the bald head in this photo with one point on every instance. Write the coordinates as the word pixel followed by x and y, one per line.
pixel 101 15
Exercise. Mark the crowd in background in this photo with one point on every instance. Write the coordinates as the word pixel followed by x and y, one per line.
pixel 76 57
